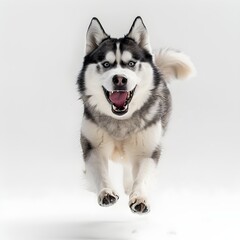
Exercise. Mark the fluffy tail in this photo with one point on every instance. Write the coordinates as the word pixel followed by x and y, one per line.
pixel 174 65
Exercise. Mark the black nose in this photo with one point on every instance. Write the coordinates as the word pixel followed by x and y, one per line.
pixel 119 81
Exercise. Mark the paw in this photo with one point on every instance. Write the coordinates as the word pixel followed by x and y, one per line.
pixel 139 205
pixel 107 197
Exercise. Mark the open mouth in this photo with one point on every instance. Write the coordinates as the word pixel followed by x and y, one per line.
pixel 119 100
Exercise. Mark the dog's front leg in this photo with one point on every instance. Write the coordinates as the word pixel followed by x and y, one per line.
pixel 143 155
pixel 97 170
pixel 143 169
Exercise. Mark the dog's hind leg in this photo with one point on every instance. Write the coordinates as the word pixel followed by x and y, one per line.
pixel 97 170
pixel 127 178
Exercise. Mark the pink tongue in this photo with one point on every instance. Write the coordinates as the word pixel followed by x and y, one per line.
pixel 118 98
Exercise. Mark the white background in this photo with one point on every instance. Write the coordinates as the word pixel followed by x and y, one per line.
pixel 42 189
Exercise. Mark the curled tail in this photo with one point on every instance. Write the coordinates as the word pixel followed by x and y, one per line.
pixel 174 65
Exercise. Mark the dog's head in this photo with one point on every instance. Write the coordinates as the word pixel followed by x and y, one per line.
pixel 116 71
pixel 118 74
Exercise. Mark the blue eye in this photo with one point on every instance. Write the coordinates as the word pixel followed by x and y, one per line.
pixel 106 64
pixel 131 63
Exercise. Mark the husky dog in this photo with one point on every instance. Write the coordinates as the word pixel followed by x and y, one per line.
pixel 127 104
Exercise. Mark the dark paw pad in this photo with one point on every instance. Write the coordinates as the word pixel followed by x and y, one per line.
pixel 139 207
pixel 109 199
pixel 106 199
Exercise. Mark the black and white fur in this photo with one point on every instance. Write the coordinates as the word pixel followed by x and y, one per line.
pixel 129 132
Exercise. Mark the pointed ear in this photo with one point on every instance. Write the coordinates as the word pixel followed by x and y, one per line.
pixel 95 35
pixel 138 33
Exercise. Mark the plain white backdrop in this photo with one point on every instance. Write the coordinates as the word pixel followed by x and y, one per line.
pixel 42 189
